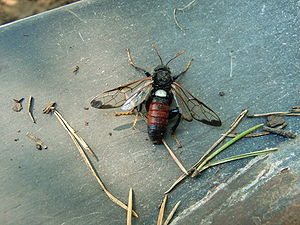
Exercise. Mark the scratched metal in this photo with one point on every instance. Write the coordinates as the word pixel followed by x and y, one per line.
pixel 247 49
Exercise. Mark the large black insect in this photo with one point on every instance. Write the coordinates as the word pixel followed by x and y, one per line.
pixel 157 91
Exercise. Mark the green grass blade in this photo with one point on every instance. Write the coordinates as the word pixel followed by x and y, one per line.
pixel 227 144
pixel 236 157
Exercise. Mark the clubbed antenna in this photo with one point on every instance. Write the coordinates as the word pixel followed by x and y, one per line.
pixel 154 47
pixel 180 53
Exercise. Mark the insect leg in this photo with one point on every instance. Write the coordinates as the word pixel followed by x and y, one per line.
pixel 124 113
pixel 135 66
pixel 183 72
pixel 135 119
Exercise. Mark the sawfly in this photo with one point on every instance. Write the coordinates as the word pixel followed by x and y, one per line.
pixel 157 91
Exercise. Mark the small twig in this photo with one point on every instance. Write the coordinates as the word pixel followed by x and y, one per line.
pixel 129 209
pixel 181 9
pixel 262 133
pixel 75 69
pixel 294 110
pixel 48 108
pixel 288 113
pixel 79 139
pixel 170 216
pixel 30 109
pixel 259 134
pixel 179 179
pixel 90 166
pixel 223 147
pixel 18 105
pixel 39 143
pixel 281 132
pixel 174 157
pixel 162 210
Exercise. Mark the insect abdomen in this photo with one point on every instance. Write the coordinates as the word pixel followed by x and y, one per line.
pixel 158 115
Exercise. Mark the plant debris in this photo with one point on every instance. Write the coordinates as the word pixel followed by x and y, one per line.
pixel 223 147
pixel 262 133
pixel 162 210
pixel 48 108
pixel 81 146
pixel 170 216
pixel 177 161
pixel 233 125
pixel 75 69
pixel 275 120
pixel 18 105
pixel 39 143
pixel 129 209
pixel 29 108
pixel 280 132
pixel 292 112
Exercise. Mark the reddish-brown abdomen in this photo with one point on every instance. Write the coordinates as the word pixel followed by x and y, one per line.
pixel 158 115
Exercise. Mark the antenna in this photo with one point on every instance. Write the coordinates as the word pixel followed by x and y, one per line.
pixel 154 47
pixel 180 53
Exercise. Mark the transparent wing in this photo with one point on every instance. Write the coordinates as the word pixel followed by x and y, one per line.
pixel 192 108
pixel 116 97
pixel 137 98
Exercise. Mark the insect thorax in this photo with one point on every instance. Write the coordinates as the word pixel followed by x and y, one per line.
pixel 162 78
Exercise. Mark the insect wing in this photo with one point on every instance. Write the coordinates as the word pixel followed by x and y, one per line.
pixel 116 97
pixel 137 97
pixel 192 108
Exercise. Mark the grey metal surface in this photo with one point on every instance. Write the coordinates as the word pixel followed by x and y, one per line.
pixel 54 186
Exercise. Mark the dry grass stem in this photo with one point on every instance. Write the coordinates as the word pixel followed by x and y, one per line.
pixel 232 135
pixel 29 108
pixel 48 108
pixel 129 210
pixel 89 164
pixel 174 157
pixel 288 113
pixel 170 216
pixel 162 210
pixel 294 110
pixel 80 139
pixel 179 179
